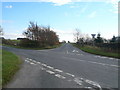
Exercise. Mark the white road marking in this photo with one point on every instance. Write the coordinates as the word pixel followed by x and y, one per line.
pixel 73 51
pixel 111 58
pixel 79 54
pixel 58 70
pixel 27 58
pixel 32 63
pixel 38 62
pixel 60 76
pixel 44 65
pixel 103 57
pixel 70 74
pixel 50 72
pixel 30 59
pixel 103 64
pixel 50 67
pixel 77 80
pixel 93 83
pixel 94 62
pixel 26 61
pixel 76 51
pixel 106 57
pixel 88 87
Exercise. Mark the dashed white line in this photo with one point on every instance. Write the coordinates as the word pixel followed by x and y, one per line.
pixel 74 51
pixel 50 72
pixel 111 58
pixel 94 62
pixel 79 54
pixel 38 62
pixel 103 57
pixel 27 61
pixel 60 76
pixel 106 57
pixel 44 65
pixel 93 83
pixel 70 74
pixel 32 63
pixel 50 67
pixel 78 81
pixel 58 70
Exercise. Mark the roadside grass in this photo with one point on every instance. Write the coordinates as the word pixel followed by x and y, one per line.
pixel 0 68
pixel 10 65
pixel 16 40
pixel 34 48
pixel 97 51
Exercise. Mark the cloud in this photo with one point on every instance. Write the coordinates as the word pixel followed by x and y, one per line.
pixel 6 21
pixel 10 6
pixel 65 35
pixel 60 2
pixel 114 4
pixel 92 15
pixel 12 35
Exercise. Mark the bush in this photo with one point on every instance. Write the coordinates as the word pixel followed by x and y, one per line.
pixel 29 43
pixel 112 47
pixel 7 42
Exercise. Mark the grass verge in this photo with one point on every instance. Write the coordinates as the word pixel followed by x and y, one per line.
pixel 0 68
pixel 97 51
pixel 10 65
pixel 34 48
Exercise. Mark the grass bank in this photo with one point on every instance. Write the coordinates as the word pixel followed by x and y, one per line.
pixel 34 48
pixel 0 68
pixel 10 65
pixel 97 51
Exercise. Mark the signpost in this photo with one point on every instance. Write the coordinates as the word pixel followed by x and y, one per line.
pixel 93 37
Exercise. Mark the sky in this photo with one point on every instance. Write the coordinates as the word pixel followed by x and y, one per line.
pixel 63 16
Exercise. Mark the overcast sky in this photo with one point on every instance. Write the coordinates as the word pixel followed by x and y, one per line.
pixel 90 16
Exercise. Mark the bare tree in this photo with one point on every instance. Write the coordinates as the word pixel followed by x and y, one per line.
pixel 76 34
pixel 42 34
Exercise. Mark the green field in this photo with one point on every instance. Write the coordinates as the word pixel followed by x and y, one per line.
pixel 10 65
pixel 97 51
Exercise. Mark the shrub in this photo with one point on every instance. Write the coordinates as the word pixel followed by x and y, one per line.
pixel 29 43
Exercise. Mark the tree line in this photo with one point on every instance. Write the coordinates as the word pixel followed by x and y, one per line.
pixel 112 44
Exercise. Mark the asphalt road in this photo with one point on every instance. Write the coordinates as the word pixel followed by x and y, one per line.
pixel 64 67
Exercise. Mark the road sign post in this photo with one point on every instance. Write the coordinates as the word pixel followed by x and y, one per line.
pixel 93 39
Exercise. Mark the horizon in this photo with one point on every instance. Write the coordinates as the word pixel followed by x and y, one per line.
pixel 63 17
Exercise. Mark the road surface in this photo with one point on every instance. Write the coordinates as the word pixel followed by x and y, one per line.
pixel 64 67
